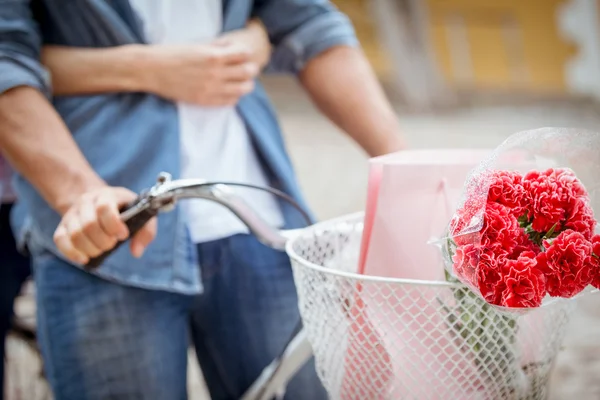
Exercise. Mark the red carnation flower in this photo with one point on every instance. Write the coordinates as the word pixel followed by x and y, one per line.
pixel 552 192
pixel 581 217
pixel 562 179
pixel 465 261
pixel 500 227
pixel 524 285
pixel 507 188
pixel 524 243
pixel 596 246
pixel 566 264
pixel 471 260
pixel 595 261
pixel 479 267
pixel 466 220
pixel 490 284
pixel 489 274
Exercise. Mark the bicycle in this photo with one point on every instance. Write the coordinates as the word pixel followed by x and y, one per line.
pixel 161 197
pixel 364 330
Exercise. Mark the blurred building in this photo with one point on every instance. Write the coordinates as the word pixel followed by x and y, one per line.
pixel 439 51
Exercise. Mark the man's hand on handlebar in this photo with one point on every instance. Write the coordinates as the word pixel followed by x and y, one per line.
pixel 92 225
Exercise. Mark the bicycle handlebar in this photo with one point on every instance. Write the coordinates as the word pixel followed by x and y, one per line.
pixel 166 192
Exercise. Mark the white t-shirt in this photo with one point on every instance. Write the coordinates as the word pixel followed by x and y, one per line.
pixel 215 145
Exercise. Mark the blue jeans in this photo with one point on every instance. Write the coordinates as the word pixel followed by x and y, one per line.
pixel 102 340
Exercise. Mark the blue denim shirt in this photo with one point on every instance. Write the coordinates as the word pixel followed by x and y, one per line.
pixel 129 138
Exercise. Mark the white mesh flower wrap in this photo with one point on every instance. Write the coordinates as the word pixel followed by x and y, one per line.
pixel 525 230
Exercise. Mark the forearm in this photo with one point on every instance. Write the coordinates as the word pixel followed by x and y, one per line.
pixel 37 143
pixel 344 87
pixel 79 71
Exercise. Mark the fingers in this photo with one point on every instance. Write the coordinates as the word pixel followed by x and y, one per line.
pixel 237 81
pixel 143 238
pixel 85 233
pixel 65 246
pixel 93 226
pixel 238 89
pixel 230 53
pixel 227 94
pixel 222 41
pixel 107 212
pixel 241 72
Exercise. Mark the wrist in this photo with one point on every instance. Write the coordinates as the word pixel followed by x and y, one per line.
pixel 72 189
pixel 140 66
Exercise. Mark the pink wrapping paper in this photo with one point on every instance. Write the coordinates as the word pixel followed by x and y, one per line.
pixel 410 209
pixel 411 198
pixel 367 360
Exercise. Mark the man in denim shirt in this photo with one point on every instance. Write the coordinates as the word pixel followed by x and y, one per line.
pixel 121 332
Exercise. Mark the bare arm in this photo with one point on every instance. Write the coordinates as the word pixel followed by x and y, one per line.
pixel 344 87
pixel 32 136
pixel 155 68
pixel 37 143
pixel 77 71
pixel 312 39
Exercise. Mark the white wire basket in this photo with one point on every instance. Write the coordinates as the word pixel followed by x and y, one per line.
pixel 380 338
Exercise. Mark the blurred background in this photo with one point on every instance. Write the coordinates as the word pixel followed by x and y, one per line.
pixel 440 53
pixel 463 73
pixel 460 73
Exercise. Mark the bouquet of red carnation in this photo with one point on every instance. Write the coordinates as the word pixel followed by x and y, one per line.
pixel 523 234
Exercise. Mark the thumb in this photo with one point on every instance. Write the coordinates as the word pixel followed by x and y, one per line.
pixel 143 238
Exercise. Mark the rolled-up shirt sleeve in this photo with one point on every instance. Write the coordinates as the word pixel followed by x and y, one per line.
pixel 302 29
pixel 20 45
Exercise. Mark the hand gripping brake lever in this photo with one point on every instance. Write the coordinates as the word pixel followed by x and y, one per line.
pixel 166 192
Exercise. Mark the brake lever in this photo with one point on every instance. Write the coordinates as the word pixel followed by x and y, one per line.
pixel 137 213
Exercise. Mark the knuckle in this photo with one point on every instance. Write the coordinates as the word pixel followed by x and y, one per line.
pixel 59 239
pixel 89 227
pixel 94 252
pixel 86 197
pixel 213 58
pixel 71 255
pixel 103 208
pixel 77 236
pixel 214 77
pixel 251 70
pixel 244 54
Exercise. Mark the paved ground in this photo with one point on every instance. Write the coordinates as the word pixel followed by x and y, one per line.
pixel 333 172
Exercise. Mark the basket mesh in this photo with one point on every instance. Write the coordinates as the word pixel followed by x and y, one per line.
pixel 378 338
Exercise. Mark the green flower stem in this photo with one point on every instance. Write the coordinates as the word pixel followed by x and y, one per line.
pixel 489 335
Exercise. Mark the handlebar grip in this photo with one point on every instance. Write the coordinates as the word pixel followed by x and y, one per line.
pixel 134 224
